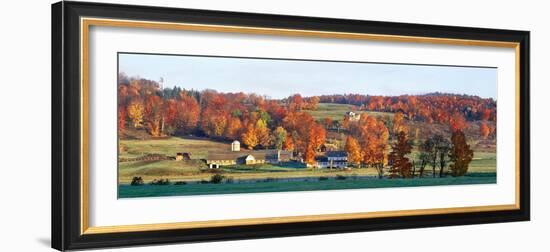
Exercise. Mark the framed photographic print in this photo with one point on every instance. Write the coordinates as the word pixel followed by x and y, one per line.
pixel 180 125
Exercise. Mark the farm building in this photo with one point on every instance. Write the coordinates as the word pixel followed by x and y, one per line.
pixel 215 160
pixel 332 159
pixel 250 160
pixel 235 156
pixel 353 116
pixel 235 146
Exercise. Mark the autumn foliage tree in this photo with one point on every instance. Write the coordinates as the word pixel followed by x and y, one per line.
pixel 187 114
pixel 279 137
pixel 399 123
pixel 400 165
pixel 153 115
pixel 135 113
pixel 288 144
pixel 121 119
pixel 461 155
pixel 309 155
pixel 354 151
pixel 373 136
pixel 484 130
pixel 249 137
pixel 234 128
pixel 318 136
pixel 305 132
pixel 214 116
pixel 262 133
pixel 457 122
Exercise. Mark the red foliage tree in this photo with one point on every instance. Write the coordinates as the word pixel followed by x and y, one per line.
pixel 187 114
pixel 400 166
pixel 121 119
pixel 461 155
pixel 153 116
pixel 457 122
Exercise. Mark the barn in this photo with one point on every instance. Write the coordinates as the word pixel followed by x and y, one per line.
pixel 217 159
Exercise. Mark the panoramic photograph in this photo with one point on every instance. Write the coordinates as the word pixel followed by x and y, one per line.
pixel 203 125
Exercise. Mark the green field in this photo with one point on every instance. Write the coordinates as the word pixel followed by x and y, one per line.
pixel 338 111
pixel 290 176
pixel 127 191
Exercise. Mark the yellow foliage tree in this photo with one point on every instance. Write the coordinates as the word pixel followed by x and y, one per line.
pixel 135 112
pixel 279 137
pixel 249 137
pixel 262 133
pixel 354 150
pixel 399 123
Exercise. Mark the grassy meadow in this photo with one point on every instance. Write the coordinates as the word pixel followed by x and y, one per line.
pixel 338 111
pixel 196 170
pixel 128 191
pixel 290 176
pixel 263 177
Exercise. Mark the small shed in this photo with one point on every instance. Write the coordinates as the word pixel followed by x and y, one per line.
pixel 235 146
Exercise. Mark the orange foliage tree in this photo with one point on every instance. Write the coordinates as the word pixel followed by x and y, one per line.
pixel 234 128
pixel 328 122
pixel 372 135
pixel 354 150
pixel 309 155
pixel 249 137
pixel 318 136
pixel 484 130
pixel 295 102
pixel 288 144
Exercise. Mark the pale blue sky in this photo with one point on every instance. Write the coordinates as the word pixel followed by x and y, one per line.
pixel 281 78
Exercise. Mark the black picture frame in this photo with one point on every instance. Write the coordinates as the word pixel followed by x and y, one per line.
pixel 66 114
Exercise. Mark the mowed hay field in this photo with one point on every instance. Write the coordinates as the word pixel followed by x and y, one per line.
pixel 196 169
pixel 171 169
pixel 338 111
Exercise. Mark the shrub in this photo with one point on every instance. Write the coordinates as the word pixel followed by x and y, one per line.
pixel 136 181
pixel 323 178
pixel 341 177
pixel 160 182
pixel 216 178
pixel 203 182
pixel 180 183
